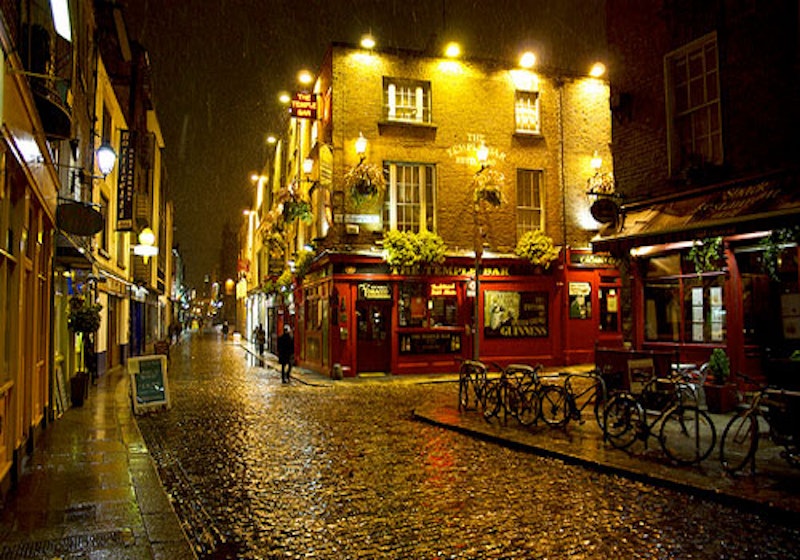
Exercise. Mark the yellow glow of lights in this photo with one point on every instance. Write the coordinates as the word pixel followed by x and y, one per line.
pixel 284 98
pixel 527 60
pixel 482 153
pixel 452 50
pixel 308 166
pixel 361 144
pixel 598 70
pixel 368 42
pixel 304 77
pixel 271 139
pixel 597 161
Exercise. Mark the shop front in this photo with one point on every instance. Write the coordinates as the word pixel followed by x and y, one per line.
pixel 718 270
pixel 358 317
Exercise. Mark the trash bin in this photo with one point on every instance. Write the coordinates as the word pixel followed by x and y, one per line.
pixel 337 371
pixel 79 388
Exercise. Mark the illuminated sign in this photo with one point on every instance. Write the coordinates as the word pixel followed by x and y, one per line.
pixel 375 291
pixel 125 182
pixel 443 289
pixel 304 106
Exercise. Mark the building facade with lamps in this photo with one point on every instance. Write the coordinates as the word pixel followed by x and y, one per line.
pixel 408 126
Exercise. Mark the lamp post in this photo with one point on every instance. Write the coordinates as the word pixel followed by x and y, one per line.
pixel 483 156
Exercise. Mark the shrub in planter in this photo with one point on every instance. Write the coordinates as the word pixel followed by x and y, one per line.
pixel 406 248
pixel 364 182
pixel 538 248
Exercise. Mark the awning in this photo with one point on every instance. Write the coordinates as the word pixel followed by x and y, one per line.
pixel 721 210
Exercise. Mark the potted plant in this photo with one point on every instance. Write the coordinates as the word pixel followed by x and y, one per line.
pixel 538 248
pixel 720 393
pixel 487 186
pixel 83 318
pixel 364 182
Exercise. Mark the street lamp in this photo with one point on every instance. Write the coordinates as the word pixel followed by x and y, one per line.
pixel 146 247
pixel 483 156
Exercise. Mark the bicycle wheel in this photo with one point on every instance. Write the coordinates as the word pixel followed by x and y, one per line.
pixel 623 419
pixel 529 406
pixel 739 441
pixel 600 410
pixel 553 405
pixel 687 435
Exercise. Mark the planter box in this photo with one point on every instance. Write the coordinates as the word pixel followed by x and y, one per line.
pixel 79 388
pixel 720 398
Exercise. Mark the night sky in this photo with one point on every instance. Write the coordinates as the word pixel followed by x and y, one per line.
pixel 219 66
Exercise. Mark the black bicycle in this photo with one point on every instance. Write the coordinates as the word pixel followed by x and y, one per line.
pixel 780 410
pixel 512 394
pixel 686 433
pixel 580 391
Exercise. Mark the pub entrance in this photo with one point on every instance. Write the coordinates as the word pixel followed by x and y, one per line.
pixel 374 342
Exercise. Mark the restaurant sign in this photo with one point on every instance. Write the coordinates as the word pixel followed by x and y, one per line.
pixel 304 106
pixel 371 291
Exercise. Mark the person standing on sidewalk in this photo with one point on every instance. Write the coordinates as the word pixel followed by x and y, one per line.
pixel 261 339
pixel 286 353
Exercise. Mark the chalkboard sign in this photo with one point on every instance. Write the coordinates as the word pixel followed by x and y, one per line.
pixel 149 388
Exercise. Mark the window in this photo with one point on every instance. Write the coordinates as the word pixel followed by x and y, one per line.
pixel 411 196
pixel 529 200
pixel 526 112
pixel 424 305
pixel 681 306
pixel 406 100
pixel 695 121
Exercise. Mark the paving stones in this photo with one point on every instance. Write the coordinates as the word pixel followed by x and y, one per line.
pixel 257 469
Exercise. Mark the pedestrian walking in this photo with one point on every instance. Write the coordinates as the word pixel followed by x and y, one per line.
pixel 286 353
pixel 261 339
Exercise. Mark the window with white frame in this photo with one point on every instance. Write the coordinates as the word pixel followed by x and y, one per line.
pixel 526 112
pixel 694 112
pixel 406 100
pixel 529 200
pixel 410 197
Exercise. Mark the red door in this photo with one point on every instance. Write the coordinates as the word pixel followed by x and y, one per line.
pixel 373 325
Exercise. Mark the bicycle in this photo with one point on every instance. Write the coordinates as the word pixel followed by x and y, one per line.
pixel 570 403
pixel 686 435
pixel 472 380
pixel 780 409
pixel 511 393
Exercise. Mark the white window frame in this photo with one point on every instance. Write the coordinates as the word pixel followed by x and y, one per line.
pixel 407 101
pixel 425 197
pixel 700 110
pixel 527 113
pixel 526 205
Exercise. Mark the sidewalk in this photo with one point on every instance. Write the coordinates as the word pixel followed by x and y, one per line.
pixel 91 490
pixel 775 488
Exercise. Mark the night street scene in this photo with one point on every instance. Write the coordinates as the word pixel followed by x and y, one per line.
pixel 422 280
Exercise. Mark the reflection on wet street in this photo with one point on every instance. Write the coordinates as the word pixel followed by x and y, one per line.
pixel 258 469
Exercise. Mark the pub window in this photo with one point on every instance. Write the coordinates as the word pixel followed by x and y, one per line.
pixel 412 304
pixel 694 110
pixel 411 197
pixel 526 112
pixel 406 100
pixel 682 306
pixel 529 200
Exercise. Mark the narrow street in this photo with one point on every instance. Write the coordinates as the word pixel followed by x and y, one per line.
pixel 257 469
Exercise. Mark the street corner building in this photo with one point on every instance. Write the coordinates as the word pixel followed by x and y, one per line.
pixel 400 174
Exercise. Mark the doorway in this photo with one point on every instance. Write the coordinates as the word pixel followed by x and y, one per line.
pixel 373 325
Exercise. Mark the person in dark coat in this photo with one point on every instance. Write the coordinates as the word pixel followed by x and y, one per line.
pixel 286 353
pixel 261 339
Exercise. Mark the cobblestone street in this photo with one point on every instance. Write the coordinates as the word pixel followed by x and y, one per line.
pixel 257 469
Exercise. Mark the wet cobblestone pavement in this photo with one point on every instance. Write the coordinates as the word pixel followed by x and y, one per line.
pixel 257 469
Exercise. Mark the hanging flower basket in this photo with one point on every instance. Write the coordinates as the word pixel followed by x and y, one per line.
pixel 84 316
pixel 364 182
pixel 297 209
pixel 276 243
pixel 538 248
pixel 487 186
pixel 707 255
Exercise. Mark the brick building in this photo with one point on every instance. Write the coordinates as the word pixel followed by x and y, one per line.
pixel 421 121
pixel 704 127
